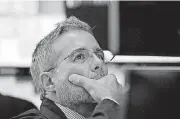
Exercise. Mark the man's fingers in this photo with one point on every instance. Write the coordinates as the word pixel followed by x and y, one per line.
pixel 81 81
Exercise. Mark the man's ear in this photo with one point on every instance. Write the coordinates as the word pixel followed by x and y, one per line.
pixel 47 82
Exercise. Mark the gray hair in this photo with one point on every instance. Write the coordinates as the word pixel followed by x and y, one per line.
pixel 43 51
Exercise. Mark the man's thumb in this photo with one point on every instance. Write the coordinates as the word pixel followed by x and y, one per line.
pixel 81 81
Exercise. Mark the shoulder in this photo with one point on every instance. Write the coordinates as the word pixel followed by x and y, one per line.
pixel 11 106
pixel 30 114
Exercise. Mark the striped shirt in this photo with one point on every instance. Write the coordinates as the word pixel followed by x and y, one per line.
pixel 70 114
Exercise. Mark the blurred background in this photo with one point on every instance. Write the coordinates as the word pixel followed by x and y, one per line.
pixel 135 31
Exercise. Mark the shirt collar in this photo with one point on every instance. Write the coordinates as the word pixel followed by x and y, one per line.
pixel 70 114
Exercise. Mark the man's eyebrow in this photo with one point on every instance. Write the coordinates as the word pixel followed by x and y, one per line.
pixel 78 49
pixel 83 48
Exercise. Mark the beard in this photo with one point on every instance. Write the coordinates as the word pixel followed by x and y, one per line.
pixel 69 94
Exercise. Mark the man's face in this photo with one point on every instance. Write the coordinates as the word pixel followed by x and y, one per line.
pixel 73 44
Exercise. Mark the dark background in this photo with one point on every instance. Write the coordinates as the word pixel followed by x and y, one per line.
pixel 150 28
pixel 154 94
pixel 146 28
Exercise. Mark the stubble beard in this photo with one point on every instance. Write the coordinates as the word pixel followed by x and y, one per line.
pixel 73 95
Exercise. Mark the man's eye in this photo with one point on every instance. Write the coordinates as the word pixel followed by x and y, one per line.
pixel 79 57
pixel 100 56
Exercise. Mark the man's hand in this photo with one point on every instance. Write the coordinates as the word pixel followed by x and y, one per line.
pixel 106 87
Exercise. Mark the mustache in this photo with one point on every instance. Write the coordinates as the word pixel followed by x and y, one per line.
pixel 98 75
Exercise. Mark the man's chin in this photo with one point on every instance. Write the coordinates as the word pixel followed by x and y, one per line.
pixel 94 101
pixel 90 101
pixel 85 96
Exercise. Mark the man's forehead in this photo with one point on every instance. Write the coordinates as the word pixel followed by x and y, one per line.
pixel 68 42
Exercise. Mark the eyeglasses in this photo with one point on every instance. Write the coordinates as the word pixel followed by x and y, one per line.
pixel 82 55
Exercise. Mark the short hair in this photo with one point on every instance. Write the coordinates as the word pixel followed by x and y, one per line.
pixel 43 51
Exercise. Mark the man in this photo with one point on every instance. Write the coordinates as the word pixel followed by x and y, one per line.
pixel 68 68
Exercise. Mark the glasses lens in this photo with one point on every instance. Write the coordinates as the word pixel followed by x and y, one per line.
pixel 108 56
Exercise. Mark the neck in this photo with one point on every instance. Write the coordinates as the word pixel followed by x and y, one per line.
pixel 85 109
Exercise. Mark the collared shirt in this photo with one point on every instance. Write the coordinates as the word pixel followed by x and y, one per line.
pixel 70 114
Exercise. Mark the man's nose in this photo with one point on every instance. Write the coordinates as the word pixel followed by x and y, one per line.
pixel 96 63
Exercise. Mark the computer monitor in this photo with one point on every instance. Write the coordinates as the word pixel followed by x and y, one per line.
pixel 154 90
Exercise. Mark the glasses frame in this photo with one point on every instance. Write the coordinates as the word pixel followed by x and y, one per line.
pixel 82 49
